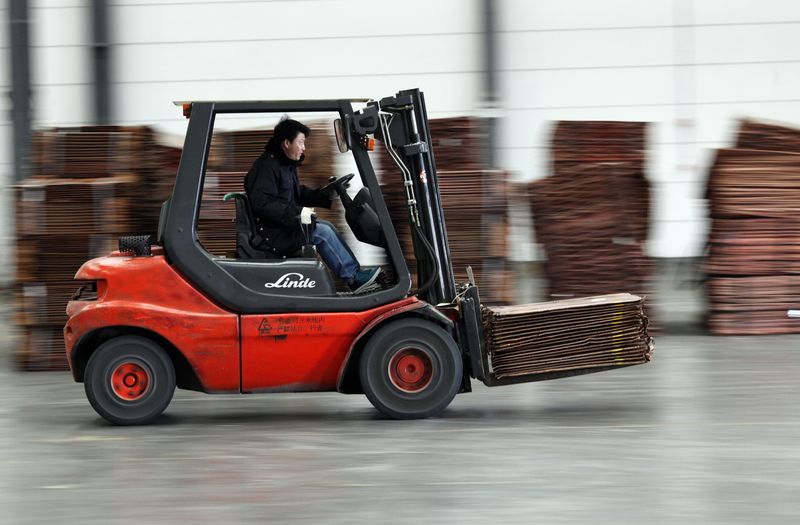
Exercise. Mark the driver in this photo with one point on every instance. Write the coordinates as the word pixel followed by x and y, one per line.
pixel 283 207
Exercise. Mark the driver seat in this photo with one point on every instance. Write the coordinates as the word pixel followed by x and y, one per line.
pixel 247 237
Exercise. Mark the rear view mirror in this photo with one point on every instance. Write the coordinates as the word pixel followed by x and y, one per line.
pixel 342 136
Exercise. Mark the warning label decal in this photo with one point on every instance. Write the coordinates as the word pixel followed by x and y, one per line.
pixel 291 325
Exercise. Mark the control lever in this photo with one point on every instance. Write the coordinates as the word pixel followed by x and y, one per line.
pixel 308 251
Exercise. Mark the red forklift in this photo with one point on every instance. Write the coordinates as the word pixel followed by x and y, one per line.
pixel 164 312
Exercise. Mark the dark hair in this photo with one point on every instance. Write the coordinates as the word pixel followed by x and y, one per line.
pixel 288 129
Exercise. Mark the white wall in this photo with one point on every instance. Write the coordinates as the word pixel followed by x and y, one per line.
pixel 6 153
pixel 291 49
pixel 690 67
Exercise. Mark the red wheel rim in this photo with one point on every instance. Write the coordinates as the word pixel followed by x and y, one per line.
pixel 411 370
pixel 129 381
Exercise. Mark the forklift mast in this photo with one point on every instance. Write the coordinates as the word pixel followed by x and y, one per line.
pixel 404 130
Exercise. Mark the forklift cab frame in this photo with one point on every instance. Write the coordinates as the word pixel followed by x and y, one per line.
pixel 248 286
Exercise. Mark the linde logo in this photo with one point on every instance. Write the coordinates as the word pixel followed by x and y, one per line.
pixel 292 280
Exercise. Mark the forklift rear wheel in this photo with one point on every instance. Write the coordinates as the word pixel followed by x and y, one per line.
pixel 411 369
pixel 129 380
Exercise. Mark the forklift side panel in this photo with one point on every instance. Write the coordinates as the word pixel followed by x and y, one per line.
pixel 292 277
pixel 301 352
pixel 146 293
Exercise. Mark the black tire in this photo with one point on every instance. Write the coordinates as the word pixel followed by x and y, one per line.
pixel 129 380
pixel 411 369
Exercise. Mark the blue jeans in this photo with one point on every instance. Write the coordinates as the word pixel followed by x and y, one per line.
pixel 334 250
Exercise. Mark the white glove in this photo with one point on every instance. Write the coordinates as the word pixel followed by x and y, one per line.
pixel 305 215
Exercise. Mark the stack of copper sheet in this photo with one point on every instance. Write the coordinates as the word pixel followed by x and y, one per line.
pixel 87 152
pixel 56 258
pixel 51 206
pixel 579 142
pixel 475 203
pixel 216 226
pixel 592 214
pixel 92 152
pixel 475 207
pixel 459 143
pixel 230 158
pixel 475 211
pixel 62 223
pixel 754 247
pixel 89 186
pixel 753 305
pixel 767 136
pixel 569 335
pixel 753 258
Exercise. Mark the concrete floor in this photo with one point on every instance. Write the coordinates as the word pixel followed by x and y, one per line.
pixel 707 433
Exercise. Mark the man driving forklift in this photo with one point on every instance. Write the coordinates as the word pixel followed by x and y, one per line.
pixel 284 208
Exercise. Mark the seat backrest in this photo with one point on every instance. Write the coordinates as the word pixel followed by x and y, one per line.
pixel 162 221
pixel 246 232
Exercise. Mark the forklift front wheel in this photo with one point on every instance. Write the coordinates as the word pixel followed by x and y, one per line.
pixel 411 369
pixel 129 380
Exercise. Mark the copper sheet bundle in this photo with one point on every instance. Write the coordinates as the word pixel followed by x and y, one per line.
pixel 48 206
pixel 753 255
pixel 236 150
pixel 596 201
pixel 44 302
pixel 475 207
pixel 94 152
pixel 42 348
pixel 586 267
pixel 459 143
pixel 476 217
pixel 58 257
pixel 216 226
pixel 62 223
pixel 582 142
pixel 475 203
pixel 90 185
pixel 574 334
pixel 91 151
pixel 754 134
pixel 591 215
pixel 776 293
pixel 754 247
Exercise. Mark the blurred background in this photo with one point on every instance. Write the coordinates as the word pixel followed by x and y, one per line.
pixel 591 128
pixel 617 145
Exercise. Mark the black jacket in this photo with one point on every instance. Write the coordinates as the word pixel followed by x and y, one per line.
pixel 277 197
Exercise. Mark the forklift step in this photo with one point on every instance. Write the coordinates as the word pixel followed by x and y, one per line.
pixel 567 337
pixel 370 289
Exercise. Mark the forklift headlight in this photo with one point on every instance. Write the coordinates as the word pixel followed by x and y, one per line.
pixel 90 291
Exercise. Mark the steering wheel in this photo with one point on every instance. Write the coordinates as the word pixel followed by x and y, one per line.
pixel 337 185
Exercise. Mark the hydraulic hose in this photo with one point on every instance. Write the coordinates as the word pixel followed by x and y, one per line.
pixel 435 275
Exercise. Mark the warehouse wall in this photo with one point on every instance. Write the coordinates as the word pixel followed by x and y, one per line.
pixel 6 151
pixel 297 49
pixel 689 67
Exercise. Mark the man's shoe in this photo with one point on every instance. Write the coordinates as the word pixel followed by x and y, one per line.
pixel 364 279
